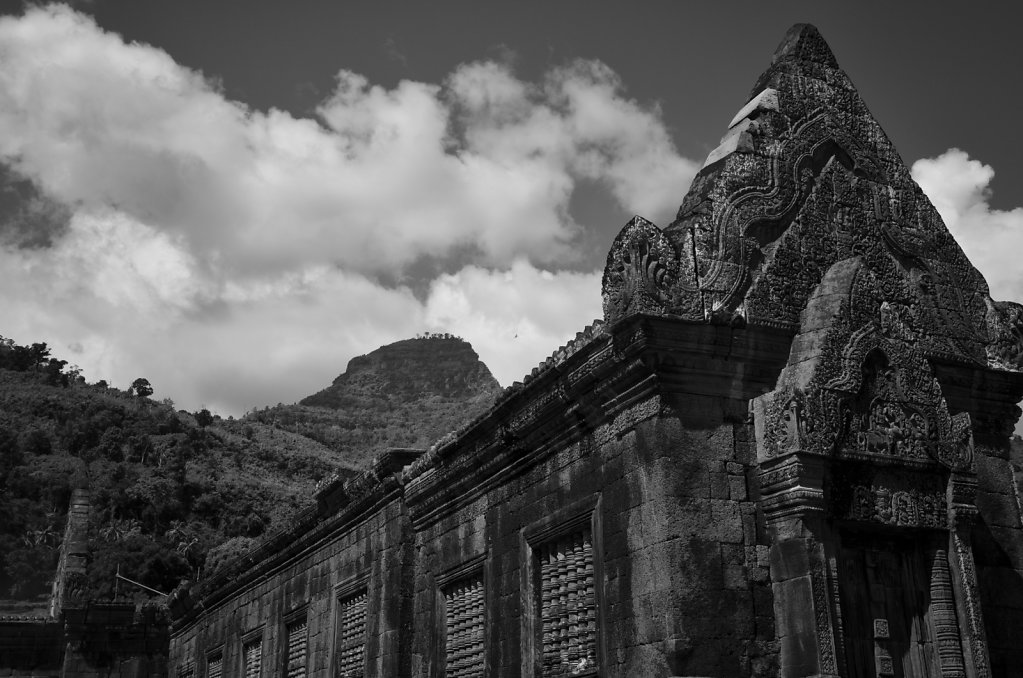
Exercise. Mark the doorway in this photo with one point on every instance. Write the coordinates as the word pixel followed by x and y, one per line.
pixel 886 590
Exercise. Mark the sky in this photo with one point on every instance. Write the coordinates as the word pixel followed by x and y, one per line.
pixel 232 199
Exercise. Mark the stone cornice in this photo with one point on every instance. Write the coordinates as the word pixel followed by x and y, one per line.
pixel 602 373
pixel 637 358
pixel 979 389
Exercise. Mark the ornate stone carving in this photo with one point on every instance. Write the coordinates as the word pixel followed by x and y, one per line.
pixel 973 633
pixel 794 430
pixel 943 617
pixel 893 429
pixel 642 272
pixel 1005 325
pixel 792 485
pixel 76 585
pixel 816 215
pixel 813 181
pixel 890 496
pixel 822 614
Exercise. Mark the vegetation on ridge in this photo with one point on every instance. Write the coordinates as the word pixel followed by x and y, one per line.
pixel 175 494
pixel 167 486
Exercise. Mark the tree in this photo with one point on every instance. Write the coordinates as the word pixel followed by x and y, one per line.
pixel 203 417
pixel 34 441
pixel 25 358
pixel 141 387
pixel 54 370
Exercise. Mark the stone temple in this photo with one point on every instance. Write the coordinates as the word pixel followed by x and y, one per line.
pixel 784 452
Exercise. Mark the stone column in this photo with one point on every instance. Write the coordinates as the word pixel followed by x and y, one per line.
pixel 793 502
pixel 962 509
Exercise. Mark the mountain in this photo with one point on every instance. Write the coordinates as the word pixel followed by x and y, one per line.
pixel 406 394
pixel 413 369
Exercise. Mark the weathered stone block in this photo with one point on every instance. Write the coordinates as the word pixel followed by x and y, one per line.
pixel 719 485
pixel 789 559
pixel 737 487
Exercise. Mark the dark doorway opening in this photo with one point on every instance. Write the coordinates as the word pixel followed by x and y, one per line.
pixel 894 590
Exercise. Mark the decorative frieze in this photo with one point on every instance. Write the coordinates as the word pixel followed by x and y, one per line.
pixel 943 618
pixel 889 496
pixel 792 485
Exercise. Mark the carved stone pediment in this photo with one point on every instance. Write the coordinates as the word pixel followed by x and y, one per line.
pixel 854 390
pixel 897 415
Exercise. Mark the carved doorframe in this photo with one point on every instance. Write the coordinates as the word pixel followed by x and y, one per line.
pixel 807 439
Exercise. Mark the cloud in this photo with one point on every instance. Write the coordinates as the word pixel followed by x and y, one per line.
pixel 234 347
pixel 516 317
pixel 238 257
pixel 959 187
pixel 575 119
pixel 383 177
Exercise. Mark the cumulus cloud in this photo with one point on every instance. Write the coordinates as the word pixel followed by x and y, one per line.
pixel 959 187
pixel 235 257
pixel 384 177
pixel 516 317
pixel 127 302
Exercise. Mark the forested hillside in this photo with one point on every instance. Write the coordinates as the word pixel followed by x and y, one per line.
pixel 174 493
pixel 169 488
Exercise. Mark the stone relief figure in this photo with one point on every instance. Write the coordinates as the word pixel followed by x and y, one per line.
pixel 1005 326
pixel 893 429
pixel 795 424
pixel 75 585
pixel 915 444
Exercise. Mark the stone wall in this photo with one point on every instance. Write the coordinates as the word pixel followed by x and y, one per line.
pixel 30 647
pixel 682 591
pixel 96 640
pixel 364 550
pixel 120 640
pixel 84 638
pixel 652 483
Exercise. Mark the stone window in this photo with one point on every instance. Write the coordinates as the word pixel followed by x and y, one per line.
pixel 567 605
pixel 464 625
pixel 561 575
pixel 215 666
pixel 298 643
pixel 351 635
pixel 252 658
pixel 187 671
